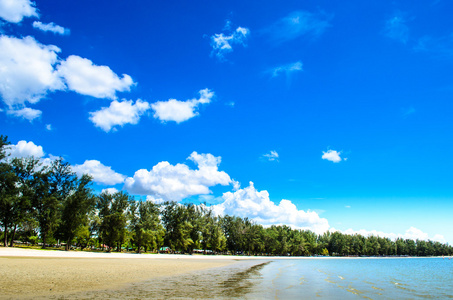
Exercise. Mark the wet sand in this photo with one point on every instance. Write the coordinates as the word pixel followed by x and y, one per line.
pixel 43 274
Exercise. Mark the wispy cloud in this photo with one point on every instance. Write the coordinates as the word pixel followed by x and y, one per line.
pixel 51 27
pixel 412 233
pixel 408 111
pixel 298 24
pixel 271 156
pixel 222 43
pixel 26 113
pixel 286 69
pixel 441 47
pixel 396 28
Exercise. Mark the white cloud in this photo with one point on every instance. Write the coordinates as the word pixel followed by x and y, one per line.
pixel 99 172
pixel 176 182
pixel 271 156
pixel 119 113
pixel 180 111
pixel 439 238
pixel 256 205
pixel 52 27
pixel 412 233
pixel 25 149
pixel 332 155
pixel 297 24
pixel 109 191
pixel 86 78
pixel 27 113
pixel 222 44
pixel 15 10
pixel 27 70
pixel 46 162
pixel 287 69
pixel 48 127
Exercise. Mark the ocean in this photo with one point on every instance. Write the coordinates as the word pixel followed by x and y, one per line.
pixel 320 278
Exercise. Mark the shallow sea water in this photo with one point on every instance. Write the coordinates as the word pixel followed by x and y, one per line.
pixel 364 278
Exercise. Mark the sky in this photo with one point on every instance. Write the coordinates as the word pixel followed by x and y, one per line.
pixel 321 115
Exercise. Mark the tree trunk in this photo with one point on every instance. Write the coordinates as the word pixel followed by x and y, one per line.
pixel 44 241
pixel 138 248
pixel 5 235
pixel 13 235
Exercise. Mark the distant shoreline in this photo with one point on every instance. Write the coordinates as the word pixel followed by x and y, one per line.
pixel 56 253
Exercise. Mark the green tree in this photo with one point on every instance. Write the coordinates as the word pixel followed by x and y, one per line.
pixel 178 228
pixel 145 225
pixel 52 185
pixel 113 218
pixel 8 190
pixel 76 208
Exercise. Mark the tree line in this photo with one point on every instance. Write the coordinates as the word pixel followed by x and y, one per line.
pixel 49 204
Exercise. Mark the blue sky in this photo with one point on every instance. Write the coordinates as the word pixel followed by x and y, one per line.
pixel 319 115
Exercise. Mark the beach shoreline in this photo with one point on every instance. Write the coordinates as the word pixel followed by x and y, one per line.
pixel 34 273
pixel 29 273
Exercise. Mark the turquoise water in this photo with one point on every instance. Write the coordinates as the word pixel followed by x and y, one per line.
pixel 370 278
pixel 321 278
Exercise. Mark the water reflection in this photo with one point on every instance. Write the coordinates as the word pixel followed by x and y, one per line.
pixel 300 279
pixel 233 281
pixel 240 283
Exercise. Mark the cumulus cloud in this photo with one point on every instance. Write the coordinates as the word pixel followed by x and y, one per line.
pixel 119 113
pixel 26 113
pixel 287 69
pixel 222 44
pixel 332 155
pixel 27 73
pixel 256 205
pixel 25 149
pixel 51 27
pixel 412 234
pixel 271 156
pixel 99 172
pixel 177 182
pixel 86 78
pixel 15 10
pixel 180 111
pixel 298 24
pixel 396 28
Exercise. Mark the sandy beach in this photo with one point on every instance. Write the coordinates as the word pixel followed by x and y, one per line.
pixel 30 273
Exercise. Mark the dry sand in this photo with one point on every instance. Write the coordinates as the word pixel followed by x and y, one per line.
pixel 27 273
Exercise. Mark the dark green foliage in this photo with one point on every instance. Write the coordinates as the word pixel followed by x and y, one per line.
pixel 113 218
pixel 145 225
pixel 75 210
